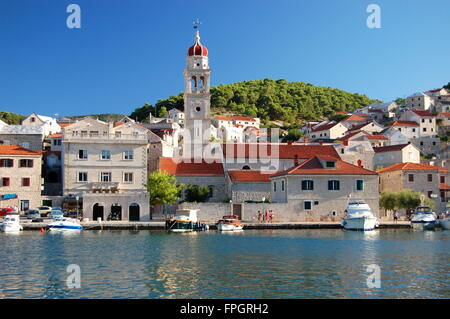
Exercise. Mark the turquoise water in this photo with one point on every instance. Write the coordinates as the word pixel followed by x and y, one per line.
pixel 248 264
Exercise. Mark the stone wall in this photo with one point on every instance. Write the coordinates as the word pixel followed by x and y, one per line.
pixel 34 141
pixel 253 191
pixel 218 183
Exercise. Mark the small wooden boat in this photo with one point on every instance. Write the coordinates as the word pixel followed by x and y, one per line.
pixel 185 220
pixel 229 223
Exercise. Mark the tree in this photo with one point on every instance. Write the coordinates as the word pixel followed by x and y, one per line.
pixel 447 86
pixel 11 118
pixel 198 194
pixel 409 200
pixel 293 136
pixel 389 200
pixel 163 188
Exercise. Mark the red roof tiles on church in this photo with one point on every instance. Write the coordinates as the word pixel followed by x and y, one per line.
pixel 278 150
pixel 169 165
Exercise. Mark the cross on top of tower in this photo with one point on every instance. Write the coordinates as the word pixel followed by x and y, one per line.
pixel 197 23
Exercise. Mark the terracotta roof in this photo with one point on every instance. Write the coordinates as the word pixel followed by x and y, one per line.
pixel 359 126
pixel 423 113
pixel 313 166
pixel 390 148
pixel 250 175
pixel 446 114
pixel 243 118
pixel 350 135
pixel 16 150
pixel 377 137
pixel 411 166
pixel 354 118
pixel 403 123
pixel 375 111
pixel 56 135
pixel 169 165
pixel 285 151
pixel 323 127
pixel 223 118
pixel 443 186
pixel 64 124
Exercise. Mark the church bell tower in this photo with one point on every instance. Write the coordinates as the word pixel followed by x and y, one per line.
pixel 196 100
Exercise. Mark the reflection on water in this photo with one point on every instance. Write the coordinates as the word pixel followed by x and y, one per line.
pixel 248 264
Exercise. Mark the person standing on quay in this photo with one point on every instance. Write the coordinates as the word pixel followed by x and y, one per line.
pixel 267 215
pixel 259 216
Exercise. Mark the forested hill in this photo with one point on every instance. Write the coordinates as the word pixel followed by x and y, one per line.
pixel 11 118
pixel 268 99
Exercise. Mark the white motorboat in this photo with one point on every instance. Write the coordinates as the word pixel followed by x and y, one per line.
pixel 358 216
pixel 11 223
pixel 423 218
pixel 185 220
pixel 445 222
pixel 229 223
pixel 65 224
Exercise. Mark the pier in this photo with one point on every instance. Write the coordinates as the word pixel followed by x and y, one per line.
pixel 160 224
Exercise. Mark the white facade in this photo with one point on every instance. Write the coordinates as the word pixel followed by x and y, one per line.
pixel 49 124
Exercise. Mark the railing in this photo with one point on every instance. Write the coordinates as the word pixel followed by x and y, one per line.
pixel 106 136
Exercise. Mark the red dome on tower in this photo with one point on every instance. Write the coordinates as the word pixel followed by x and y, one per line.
pixel 197 48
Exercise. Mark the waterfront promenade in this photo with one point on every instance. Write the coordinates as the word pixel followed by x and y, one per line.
pixel 160 224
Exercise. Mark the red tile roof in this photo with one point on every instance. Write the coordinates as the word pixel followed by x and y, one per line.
pixel 169 165
pixel 250 175
pixel 390 148
pixel 403 123
pixel 354 118
pixel 323 127
pixel 443 186
pixel 223 118
pixel 423 113
pixel 243 118
pixel 285 151
pixel 377 137
pixel 313 166
pixel 348 136
pixel 411 166
pixel 16 150
pixel 375 111
pixel 446 114
pixel 64 124
pixel 56 135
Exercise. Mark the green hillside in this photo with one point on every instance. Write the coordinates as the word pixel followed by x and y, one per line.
pixel 270 100
pixel 11 118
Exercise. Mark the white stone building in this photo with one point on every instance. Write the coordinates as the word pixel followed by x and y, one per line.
pixel 48 123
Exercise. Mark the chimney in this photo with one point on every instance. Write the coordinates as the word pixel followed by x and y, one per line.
pixel 345 143
pixel 295 160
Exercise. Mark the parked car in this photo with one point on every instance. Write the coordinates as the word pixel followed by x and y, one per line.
pixel 56 214
pixel 33 214
pixel 57 208
pixel 44 210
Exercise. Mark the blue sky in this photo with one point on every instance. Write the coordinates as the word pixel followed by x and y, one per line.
pixel 131 52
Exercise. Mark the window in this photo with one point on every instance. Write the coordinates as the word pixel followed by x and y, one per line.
pixel 307 185
pixel 26 181
pixel 424 129
pixel 26 163
pixel 128 155
pixel 430 193
pixel 413 129
pixel 442 179
pixel 105 177
pixel 82 176
pixel 5 181
pixel 331 164
pixel 430 177
pixel 359 185
pixel 118 134
pixel 307 205
pixel 33 120
pixel 128 177
pixel 83 133
pixel 24 205
pixel 410 177
pixel 6 162
pixel 274 186
pixel 333 185
pixel 106 155
pixel 93 133
pixel 282 186
pixel 82 154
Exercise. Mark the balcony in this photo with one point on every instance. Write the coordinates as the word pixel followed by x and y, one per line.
pixel 105 187
pixel 106 138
